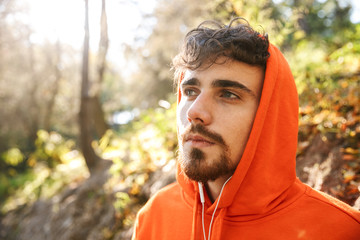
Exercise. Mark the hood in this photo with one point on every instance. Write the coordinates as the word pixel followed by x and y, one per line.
pixel 265 176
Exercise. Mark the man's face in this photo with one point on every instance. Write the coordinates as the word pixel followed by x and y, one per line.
pixel 215 115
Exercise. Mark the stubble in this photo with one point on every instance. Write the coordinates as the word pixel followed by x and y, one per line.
pixel 200 167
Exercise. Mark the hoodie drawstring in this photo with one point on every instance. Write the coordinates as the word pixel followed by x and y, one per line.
pixel 213 215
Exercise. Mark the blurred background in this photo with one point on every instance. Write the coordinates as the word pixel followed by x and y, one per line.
pixel 87 106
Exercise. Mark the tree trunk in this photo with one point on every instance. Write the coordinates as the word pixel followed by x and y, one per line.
pixel 98 115
pixel 90 156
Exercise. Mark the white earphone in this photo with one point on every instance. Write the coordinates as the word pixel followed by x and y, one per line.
pixel 201 192
pixel 202 199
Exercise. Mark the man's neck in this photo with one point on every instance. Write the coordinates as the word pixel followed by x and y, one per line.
pixel 213 188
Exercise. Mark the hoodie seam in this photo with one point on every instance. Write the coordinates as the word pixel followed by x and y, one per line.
pixel 272 215
pixel 329 203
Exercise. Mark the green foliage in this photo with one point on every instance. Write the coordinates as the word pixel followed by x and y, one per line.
pixel 13 157
pixel 9 185
pixel 149 144
pixel 52 148
pixel 327 81
pixel 41 182
pixel 54 164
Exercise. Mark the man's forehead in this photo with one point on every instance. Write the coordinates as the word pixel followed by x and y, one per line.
pixel 207 64
pixel 188 73
pixel 210 64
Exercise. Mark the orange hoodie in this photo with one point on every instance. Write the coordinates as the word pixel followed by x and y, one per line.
pixel 263 199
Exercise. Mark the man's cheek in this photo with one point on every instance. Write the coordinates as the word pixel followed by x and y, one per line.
pixel 182 120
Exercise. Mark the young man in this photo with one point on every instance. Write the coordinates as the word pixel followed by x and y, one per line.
pixel 237 129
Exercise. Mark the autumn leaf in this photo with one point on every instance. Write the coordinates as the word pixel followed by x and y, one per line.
pixel 348 176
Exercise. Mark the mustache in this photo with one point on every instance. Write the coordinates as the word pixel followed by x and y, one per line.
pixel 200 129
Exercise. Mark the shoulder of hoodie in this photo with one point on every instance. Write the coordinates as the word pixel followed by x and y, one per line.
pixel 155 206
pixel 165 197
pixel 332 205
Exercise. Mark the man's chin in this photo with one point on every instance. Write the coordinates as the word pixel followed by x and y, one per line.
pixel 197 166
pixel 198 177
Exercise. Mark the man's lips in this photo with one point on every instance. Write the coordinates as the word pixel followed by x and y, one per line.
pixel 198 141
pixel 199 136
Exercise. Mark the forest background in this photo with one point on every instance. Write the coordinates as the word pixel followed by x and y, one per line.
pixel 88 134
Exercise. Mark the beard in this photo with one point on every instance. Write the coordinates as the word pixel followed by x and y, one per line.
pixel 197 165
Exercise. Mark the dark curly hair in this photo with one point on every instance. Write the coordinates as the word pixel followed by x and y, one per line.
pixel 205 44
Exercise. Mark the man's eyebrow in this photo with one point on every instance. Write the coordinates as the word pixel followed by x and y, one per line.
pixel 191 81
pixel 231 84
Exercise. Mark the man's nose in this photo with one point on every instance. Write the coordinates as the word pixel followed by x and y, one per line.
pixel 200 110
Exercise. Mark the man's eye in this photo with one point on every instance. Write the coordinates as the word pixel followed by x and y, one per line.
pixel 190 92
pixel 227 94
